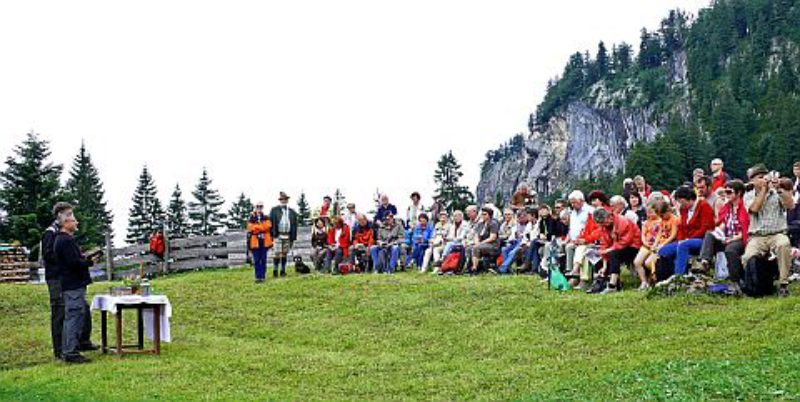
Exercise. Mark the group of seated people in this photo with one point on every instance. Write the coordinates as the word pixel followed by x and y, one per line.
pixel 712 219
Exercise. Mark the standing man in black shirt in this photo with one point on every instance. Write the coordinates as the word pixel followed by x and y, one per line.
pixel 52 276
pixel 74 277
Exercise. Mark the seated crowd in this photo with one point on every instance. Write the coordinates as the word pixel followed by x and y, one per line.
pixel 714 220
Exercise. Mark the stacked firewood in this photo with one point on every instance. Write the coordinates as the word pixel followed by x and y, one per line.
pixel 14 266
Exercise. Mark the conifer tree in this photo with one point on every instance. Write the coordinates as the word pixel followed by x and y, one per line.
pixel 239 213
pixel 447 176
pixel 177 219
pixel 601 61
pixel 146 215
pixel 85 189
pixel 29 187
pixel 303 210
pixel 205 218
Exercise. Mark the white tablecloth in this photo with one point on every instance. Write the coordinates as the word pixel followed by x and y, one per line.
pixel 109 303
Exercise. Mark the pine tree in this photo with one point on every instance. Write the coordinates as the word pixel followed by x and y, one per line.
pixel 339 203
pixel 86 192
pixel 29 187
pixel 303 210
pixel 177 220
pixel 205 218
pixel 601 62
pixel 447 176
pixel 146 215
pixel 239 213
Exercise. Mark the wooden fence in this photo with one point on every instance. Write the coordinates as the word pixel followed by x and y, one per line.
pixel 221 251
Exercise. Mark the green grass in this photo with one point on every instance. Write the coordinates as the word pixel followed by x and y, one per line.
pixel 414 336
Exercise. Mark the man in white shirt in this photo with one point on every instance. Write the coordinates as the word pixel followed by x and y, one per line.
pixel 414 210
pixel 351 216
pixel 578 217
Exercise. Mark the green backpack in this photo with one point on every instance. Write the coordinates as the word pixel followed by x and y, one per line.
pixel 558 281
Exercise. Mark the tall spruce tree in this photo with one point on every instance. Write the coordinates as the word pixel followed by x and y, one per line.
pixel 303 210
pixel 447 176
pixel 239 213
pixel 339 203
pixel 85 189
pixel 29 186
pixel 146 215
pixel 205 218
pixel 601 61
pixel 177 219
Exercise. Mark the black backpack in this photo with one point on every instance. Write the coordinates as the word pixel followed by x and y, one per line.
pixel 665 268
pixel 759 277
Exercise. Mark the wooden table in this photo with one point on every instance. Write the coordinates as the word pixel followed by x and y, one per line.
pixel 116 305
pixel 120 348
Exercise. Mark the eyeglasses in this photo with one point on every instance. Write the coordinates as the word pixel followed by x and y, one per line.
pixel 729 191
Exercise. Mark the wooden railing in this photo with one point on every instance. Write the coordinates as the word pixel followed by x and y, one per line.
pixel 194 253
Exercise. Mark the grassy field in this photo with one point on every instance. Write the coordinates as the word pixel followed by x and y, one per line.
pixel 414 336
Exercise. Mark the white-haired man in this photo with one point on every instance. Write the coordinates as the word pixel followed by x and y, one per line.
pixel 718 176
pixel 579 215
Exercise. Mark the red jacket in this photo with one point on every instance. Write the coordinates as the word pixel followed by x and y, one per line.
pixel 742 216
pixel 365 237
pixel 719 180
pixel 592 231
pixel 344 239
pixel 702 221
pixel 622 235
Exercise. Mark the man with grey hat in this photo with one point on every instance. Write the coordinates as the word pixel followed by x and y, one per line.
pixel 767 203
pixel 284 232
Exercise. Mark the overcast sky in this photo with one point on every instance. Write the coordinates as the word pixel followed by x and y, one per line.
pixel 291 95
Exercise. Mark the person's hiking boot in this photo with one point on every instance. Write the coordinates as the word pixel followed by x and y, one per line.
pixel 76 359
pixel 610 289
pixel 644 287
pixel 734 290
pixel 283 273
pixel 783 291
pixel 88 347
pixel 275 274
pixel 260 280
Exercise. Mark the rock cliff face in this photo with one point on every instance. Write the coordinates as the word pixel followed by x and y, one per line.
pixel 582 141
pixel 588 138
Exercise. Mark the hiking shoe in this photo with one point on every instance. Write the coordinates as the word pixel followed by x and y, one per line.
pixel 734 290
pixel 492 271
pixel 283 273
pixel 76 359
pixel 783 291
pixel 88 347
pixel 644 287
pixel 609 289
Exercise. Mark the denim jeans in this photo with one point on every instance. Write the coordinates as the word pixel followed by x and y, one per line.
pixel 509 253
pixel 260 262
pixel 681 251
pixel 378 254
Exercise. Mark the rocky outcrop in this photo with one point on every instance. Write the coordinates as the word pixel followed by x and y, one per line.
pixel 588 138
pixel 581 142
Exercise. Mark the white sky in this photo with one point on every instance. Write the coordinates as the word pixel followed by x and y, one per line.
pixel 291 95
